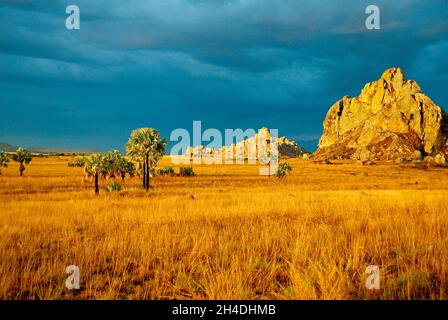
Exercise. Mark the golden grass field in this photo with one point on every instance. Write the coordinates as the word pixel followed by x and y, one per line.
pixel 227 233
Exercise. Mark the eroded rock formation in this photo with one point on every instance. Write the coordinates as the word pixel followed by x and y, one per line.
pixel 286 147
pixel 391 119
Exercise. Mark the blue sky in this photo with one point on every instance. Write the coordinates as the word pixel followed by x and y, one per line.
pixel 231 64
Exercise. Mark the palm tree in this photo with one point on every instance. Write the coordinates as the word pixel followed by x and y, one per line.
pixel 124 167
pixel 145 146
pixel 3 160
pixel 96 166
pixel 22 156
pixel 111 161
pixel 117 164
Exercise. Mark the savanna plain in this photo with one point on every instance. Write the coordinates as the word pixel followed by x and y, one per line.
pixel 226 233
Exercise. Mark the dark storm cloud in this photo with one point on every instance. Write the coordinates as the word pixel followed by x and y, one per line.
pixel 229 63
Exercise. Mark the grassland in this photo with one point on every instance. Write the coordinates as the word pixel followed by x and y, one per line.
pixel 227 233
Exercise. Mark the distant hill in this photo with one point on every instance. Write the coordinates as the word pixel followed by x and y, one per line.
pixel 7 147
pixel 10 148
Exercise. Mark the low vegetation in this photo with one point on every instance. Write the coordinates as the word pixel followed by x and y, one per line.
pixel 186 172
pixel 114 187
pixel 3 160
pixel 168 171
pixel 283 169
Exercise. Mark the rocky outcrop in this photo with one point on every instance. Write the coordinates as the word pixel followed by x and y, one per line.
pixel 286 147
pixel 391 119
pixel 291 149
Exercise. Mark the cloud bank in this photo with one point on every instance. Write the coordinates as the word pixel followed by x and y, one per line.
pixel 231 64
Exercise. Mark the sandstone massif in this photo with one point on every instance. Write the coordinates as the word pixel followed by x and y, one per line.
pixel 392 119
pixel 286 147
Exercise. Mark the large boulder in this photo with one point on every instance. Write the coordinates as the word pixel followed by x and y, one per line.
pixel 389 120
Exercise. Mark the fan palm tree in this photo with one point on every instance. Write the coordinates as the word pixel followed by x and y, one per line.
pixel 96 166
pixel 146 147
pixel 118 165
pixel 124 167
pixel 3 160
pixel 22 156
pixel 112 161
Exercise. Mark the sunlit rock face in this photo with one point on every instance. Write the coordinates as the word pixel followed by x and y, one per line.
pixel 390 119
pixel 249 148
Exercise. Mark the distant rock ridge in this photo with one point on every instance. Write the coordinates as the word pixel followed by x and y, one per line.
pixel 391 119
pixel 10 148
pixel 286 147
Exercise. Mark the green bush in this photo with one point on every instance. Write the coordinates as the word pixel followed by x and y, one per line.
pixel 168 171
pixel 77 162
pixel 186 172
pixel 113 187
pixel 283 169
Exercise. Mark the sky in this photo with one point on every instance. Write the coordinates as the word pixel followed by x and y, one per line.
pixel 230 64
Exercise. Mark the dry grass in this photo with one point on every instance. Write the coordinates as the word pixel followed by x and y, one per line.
pixel 226 233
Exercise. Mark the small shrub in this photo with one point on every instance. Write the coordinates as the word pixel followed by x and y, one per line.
pixel 283 169
pixel 168 171
pixel 186 172
pixel 113 187
pixel 77 162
